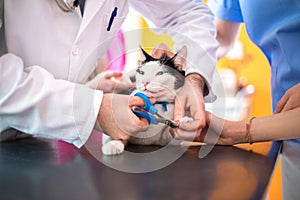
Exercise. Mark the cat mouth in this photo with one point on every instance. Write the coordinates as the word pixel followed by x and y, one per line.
pixel 151 93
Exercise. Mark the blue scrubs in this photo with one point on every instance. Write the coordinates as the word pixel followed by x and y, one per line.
pixel 274 26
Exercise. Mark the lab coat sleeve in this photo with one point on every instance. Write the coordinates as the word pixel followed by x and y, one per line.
pixel 34 102
pixel 190 24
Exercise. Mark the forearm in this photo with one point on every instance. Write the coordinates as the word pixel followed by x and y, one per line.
pixel 280 126
pixel 227 33
pixel 34 102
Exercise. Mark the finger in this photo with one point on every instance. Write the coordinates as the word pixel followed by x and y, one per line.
pixel 288 105
pixel 281 103
pixel 186 135
pixel 190 126
pixel 152 99
pixel 172 132
pixel 179 108
pixel 208 117
pixel 143 124
pixel 136 101
pixel 159 52
pixel 123 86
pixel 111 74
pixel 198 114
pixel 158 47
pixel 197 105
pixel 139 124
pixel 161 49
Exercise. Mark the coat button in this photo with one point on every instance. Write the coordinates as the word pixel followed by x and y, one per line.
pixel 75 50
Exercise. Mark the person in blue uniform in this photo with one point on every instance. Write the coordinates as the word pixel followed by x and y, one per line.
pixel 274 26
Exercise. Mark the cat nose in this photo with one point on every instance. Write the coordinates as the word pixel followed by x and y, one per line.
pixel 146 83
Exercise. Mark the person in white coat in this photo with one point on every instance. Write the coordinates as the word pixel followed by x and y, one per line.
pixel 47 42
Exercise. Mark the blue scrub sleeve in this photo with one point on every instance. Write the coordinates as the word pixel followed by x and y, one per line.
pixel 228 10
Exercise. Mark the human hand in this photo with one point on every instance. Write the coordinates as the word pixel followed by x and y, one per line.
pixel 205 127
pixel 116 117
pixel 110 81
pixel 190 98
pixel 222 132
pixel 161 49
pixel 290 100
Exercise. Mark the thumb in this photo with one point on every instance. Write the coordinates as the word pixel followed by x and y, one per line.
pixel 137 101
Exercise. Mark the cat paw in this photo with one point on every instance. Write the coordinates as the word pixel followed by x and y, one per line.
pixel 113 147
pixel 186 119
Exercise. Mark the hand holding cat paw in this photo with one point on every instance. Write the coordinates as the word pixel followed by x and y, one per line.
pixel 184 134
pixel 190 99
pixel 116 117
pixel 110 81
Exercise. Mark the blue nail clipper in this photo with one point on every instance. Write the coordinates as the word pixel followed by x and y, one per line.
pixel 150 113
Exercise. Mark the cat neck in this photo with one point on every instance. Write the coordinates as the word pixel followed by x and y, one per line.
pixel 164 105
pixel 164 102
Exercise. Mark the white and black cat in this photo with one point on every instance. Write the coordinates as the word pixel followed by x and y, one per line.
pixel 160 78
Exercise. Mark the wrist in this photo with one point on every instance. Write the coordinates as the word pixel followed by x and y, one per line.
pixel 236 131
pixel 241 132
pixel 196 80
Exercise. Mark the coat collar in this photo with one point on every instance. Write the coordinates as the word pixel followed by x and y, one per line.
pixel 91 9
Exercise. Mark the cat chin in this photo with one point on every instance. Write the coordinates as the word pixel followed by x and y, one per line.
pixel 155 94
pixel 149 93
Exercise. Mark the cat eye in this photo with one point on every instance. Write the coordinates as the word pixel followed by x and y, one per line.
pixel 159 73
pixel 140 72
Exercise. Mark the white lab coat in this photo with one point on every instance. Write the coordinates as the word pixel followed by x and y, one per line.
pixel 40 90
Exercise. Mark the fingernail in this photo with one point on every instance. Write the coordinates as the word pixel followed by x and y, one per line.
pixel 177 118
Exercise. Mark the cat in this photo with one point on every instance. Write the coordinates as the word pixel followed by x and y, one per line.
pixel 160 78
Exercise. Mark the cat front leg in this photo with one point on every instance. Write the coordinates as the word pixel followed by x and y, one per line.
pixel 113 147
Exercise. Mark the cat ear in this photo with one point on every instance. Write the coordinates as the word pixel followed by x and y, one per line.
pixel 180 59
pixel 144 55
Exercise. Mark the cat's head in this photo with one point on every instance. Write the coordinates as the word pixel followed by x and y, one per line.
pixel 161 78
